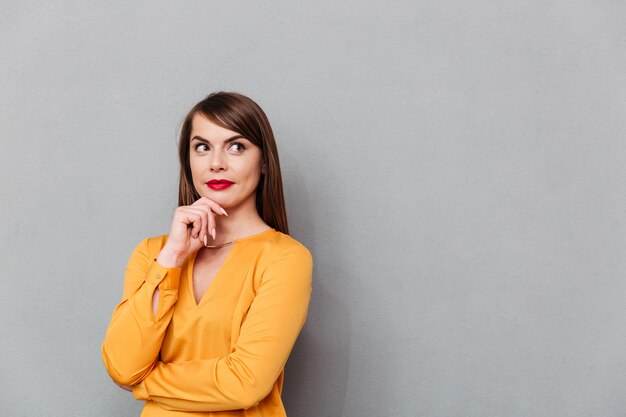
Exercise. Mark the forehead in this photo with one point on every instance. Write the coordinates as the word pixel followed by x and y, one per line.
pixel 202 126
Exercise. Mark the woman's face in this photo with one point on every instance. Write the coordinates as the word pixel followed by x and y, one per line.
pixel 225 166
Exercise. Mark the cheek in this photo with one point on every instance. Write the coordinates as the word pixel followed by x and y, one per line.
pixel 195 169
pixel 251 170
pixel 255 175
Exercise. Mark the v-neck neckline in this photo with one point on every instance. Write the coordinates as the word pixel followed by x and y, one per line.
pixel 192 263
pixel 219 272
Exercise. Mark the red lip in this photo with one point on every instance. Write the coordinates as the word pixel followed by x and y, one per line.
pixel 220 184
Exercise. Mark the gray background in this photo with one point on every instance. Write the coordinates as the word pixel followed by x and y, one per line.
pixel 457 169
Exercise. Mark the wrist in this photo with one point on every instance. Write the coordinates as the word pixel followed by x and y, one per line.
pixel 170 259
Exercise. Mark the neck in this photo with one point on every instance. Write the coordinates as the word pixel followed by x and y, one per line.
pixel 241 222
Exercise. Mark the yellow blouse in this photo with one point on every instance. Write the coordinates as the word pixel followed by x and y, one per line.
pixel 224 356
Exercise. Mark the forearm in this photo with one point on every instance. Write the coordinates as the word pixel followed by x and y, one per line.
pixel 244 377
pixel 134 336
pixel 201 385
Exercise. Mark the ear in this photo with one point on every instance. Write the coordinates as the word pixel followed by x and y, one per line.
pixel 263 170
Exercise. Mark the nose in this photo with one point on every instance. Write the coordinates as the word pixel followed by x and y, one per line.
pixel 218 162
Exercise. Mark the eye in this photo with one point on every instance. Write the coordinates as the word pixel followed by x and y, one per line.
pixel 237 147
pixel 201 147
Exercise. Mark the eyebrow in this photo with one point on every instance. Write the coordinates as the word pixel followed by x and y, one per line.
pixel 230 139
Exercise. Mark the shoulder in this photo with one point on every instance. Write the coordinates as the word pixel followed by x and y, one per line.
pixel 150 247
pixel 287 260
pixel 279 245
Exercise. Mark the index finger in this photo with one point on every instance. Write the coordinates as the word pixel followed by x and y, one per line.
pixel 212 204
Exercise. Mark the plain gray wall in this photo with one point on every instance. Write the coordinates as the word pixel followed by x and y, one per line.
pixel 457 168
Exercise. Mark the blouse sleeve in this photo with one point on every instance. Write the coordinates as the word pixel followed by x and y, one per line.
pixel 134 336
pixel 246 375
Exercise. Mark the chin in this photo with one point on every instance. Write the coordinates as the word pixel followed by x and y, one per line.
pixel 219 199
pixel 229 203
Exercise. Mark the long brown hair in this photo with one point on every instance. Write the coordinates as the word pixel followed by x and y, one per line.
pixel 240 114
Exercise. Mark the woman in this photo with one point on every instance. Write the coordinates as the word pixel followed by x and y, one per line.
pixel 210 312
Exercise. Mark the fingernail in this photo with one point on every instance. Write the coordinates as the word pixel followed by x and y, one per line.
pixel 224 211
pixel 206 243
pixel 213 233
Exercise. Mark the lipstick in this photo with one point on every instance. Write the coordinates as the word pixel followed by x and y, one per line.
pixel 220 184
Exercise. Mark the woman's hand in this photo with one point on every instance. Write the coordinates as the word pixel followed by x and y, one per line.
pixel 192 228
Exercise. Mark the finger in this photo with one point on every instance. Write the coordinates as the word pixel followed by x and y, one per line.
pixel 211 223
pixel 196 226
pixel 204 234
pixel 202 226
pixel 216 208
pixel 191 217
